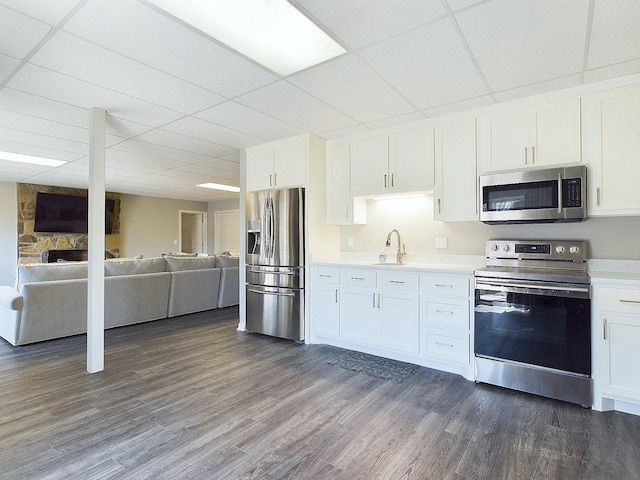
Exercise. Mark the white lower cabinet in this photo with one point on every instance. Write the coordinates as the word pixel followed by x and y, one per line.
pixel 616 338
pixel 410 316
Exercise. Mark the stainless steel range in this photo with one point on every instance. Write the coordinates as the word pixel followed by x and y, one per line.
pixel 533 318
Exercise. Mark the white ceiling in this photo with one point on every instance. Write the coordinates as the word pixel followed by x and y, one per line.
pixel 181 105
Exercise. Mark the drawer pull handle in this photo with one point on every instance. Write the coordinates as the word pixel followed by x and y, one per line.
pixel 442 285
pixel 398 282
pixel 357 278
pixel 337 298
pixel 448 312
pixel 324 276
pixel 604 328
pixel 637 302
pixel 442 344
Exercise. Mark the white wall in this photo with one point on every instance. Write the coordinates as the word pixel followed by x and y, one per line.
pixel 609 238
pixel 8 232
pixel 149 226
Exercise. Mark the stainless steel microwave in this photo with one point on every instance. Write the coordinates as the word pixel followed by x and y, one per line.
pixel 534 196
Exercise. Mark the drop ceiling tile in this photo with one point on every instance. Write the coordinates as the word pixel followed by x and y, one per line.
pixel 430 66
pixel 37 106
pixel 612 71
pixel 7 65
pixel 164 180
pixel 349 85
pixel 123 128
pixel 134 169
pixel 400 119
pixel 363 23
pixel 10 145
pixel 26 123
pixel 520 43
pixel 115 153
pixel 292 105
pixel 43 141
pixel 538 88
pixel 198 128
pixel 183 142
pixel 469 104
pixel 157 40
pixel 59 180
pixel 615 33
pixel 344 132
pixel 217 164
pixel 244 119
pixel 43 10
pixel 457 5
pixel 99 66
pixel 143 148
pixel 62 88
pixel 19 34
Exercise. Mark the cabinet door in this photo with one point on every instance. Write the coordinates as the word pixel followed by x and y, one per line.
pixel 502 140
pixel 290 165
pixel 620 355
pixel 400 322
pixel 612 143
pixel 342 209
pixel 411 160
pixel 369 166
pixel 360 319
pixel 556 133
pixel 456 195
pixel 259 170
pixel 325 311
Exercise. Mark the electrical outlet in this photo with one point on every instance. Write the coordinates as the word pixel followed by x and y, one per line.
pixel 350 242
pixel 441 242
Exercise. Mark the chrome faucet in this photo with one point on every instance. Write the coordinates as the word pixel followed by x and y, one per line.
pixel 401 247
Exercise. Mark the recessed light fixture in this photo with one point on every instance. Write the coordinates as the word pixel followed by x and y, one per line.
pixel 219 186
pixel 16 157
pixel 272 32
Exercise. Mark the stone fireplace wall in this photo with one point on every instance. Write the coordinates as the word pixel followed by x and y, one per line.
pixel 34 247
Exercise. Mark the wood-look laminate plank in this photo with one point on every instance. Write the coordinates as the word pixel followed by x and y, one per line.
pixel 193 398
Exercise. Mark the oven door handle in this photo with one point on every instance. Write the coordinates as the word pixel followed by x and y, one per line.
pixel 571 291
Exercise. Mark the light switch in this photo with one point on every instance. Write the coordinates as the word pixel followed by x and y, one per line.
pixel 441 242
pixel 349 241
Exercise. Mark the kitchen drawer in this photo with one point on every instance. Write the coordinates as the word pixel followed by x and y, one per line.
pixel 358 277
pixel 623 300
pixel 444 345
pixel 329 275
pixel 444 312
pixel 406 282
pixel 444 285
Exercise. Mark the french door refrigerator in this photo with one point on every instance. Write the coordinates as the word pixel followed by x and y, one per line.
pixel 275 263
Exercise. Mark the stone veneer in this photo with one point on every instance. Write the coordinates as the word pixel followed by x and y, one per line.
pixel 33 247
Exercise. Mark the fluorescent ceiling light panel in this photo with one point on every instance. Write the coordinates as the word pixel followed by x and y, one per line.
pixel 271 32
pixel 219 186
pixel 16 157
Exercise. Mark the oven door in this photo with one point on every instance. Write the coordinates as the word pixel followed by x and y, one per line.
pixel 535 323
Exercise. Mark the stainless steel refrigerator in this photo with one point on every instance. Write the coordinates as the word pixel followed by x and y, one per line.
pixel 275 263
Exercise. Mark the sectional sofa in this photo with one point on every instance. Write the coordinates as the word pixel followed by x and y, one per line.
pixel 50 299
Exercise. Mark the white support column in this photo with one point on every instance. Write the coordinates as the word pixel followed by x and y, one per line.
pixel 95 290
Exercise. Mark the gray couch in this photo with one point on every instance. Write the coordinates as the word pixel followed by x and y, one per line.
pixel 50 300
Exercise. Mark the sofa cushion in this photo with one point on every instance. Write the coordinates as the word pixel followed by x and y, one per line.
pixel 133 266
pixel 43 272
pixel 225 261
pixel 178 264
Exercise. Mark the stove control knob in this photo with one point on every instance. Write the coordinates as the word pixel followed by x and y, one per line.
pixel 574 249
pixel 506 248
pixel 560 249
pixel 493 247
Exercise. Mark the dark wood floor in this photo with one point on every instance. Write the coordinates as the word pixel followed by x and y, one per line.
pixel 192 397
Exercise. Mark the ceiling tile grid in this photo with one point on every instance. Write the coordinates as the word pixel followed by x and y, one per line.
pixel 181 105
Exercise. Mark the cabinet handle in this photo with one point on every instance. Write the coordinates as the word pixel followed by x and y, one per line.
pixel 275 179
pixel 439 209
pixel 374 301
pixel 324 276
pixel 448 312
pixel 397 282
pixel 346 211
pixel 604 328
pixel 337 299
pixel 378 300
pixel 533 154
pixel 630 301
pixel 442 285
pixel 442 344
pixel 598 196
pixel 392 179
pixel 525 155
pixel 385 180
pixel 271 180
pixel 357 278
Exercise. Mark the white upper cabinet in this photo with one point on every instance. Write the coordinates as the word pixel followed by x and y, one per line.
pixel 542 135
pixel 342 208
pixel 455 193
pixel 278 165
pixel 401 162
pixel 370 166
pixel 612 143
pixel 411 160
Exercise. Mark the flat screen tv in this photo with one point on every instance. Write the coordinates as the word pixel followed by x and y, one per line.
pixel 60 213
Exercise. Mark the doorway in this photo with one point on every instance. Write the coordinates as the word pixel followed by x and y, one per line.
pixel 226 231
pixel 193 231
